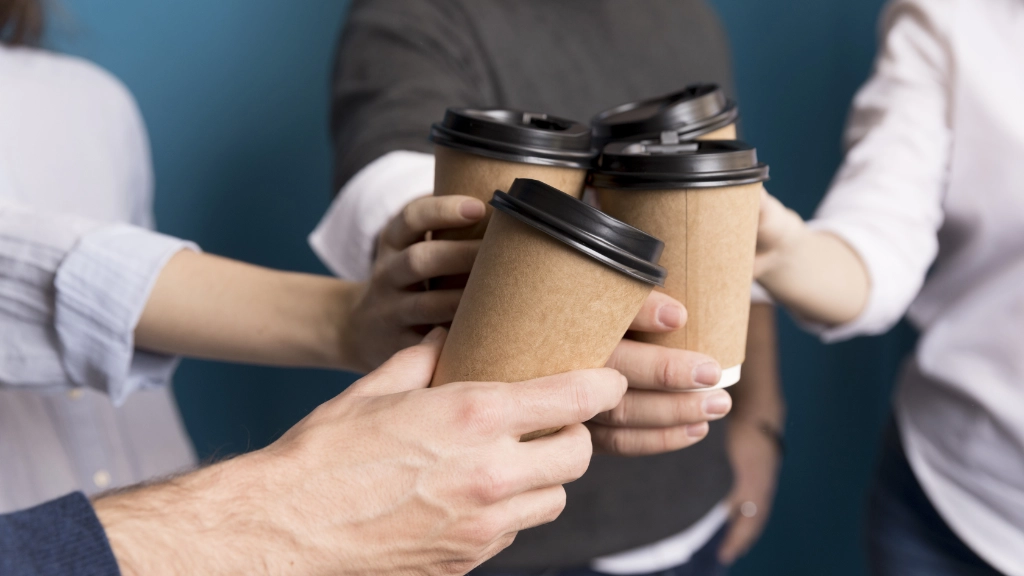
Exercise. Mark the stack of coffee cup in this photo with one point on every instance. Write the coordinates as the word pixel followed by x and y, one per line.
pixel 555 286
pixel 557 282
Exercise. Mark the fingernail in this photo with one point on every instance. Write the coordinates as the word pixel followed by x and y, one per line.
pixel 697 430
pixel 472 209
pixel 670 316
pixel 717 404
pixel 433 336
pixel 707 374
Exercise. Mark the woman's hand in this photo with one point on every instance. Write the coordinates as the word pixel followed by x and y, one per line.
pixel 779 228
pixel 815 274
pixel 393 310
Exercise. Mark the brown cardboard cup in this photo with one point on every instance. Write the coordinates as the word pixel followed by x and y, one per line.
pixel 723 133
pixel 482 150
pixel 697 112
pixel 468 174
pixel 539 300
pixel 710 231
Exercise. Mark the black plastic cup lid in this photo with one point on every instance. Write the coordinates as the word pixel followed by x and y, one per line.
pixel 684 115
pixel 585 228
pixel 651 165
pixel 516 136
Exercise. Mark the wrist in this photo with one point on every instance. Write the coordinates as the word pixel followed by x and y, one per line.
pixel 771 429
pixel 205 522
pixel 341 342
pixel 785 257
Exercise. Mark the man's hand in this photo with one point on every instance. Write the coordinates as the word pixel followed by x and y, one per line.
pixel 394 310
pixel 389 477
pixel 755 462
pixel 657 414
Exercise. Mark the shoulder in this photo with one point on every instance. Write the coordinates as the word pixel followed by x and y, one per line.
pixel 934 17
pixel 422 13
pixel 54 79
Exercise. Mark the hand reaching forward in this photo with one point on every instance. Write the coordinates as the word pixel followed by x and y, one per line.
pixel 393 311
pixel 389 477
pixel 664 409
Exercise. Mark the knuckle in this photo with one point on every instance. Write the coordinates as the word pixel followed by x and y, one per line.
pixel 620 441
pixel 490 484
pixel 619 415
pixel 557 506
pixel 684 407
pixel 417 307
pixel 669 373
pixel 409 215
pixel 484 529
pixel 579 391
pixel 577 460
pixel 480 411
pixel 417 258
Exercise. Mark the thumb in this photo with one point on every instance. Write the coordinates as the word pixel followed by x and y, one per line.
pixel 409 369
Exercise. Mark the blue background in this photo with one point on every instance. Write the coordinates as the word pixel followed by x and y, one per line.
pixel 234 93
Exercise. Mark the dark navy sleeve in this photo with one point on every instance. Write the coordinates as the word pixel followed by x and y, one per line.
pixel 62 537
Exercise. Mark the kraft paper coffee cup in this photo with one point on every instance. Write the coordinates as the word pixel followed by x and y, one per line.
pixel 702 199
pixel 554 288
pixel 697 112
pixel 482 150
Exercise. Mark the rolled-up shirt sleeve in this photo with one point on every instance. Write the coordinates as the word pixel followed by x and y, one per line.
pixel 345 238
pixel 71 293
pixel 886 200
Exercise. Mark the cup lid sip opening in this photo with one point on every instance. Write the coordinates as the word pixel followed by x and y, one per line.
pixel 652 165
pixel 585 228
pixel 689 113
pixel 516 136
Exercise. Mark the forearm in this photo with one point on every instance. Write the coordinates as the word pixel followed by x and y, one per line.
pixel 211 307
pixel 206 522
pixel 757 397
pixel 819 278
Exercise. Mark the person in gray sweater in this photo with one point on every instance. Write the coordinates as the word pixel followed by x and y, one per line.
pixel 644 506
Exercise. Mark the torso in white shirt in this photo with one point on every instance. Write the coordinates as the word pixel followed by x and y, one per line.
pixel 961 406
pixel 72 142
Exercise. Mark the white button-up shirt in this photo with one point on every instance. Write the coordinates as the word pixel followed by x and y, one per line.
pixel 934 180
pixel 76 267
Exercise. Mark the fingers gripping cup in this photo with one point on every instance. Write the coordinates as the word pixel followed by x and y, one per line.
pixel 697 112
pixel 480 151
pixel 555 287
pixel 702 198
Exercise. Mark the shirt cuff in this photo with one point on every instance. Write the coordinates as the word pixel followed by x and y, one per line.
pixel 758 295
pixel 60 537
pixel 885 304
pixel 346 237
pixel 101 290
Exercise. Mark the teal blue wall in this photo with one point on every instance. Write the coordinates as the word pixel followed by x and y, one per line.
pixel 234 93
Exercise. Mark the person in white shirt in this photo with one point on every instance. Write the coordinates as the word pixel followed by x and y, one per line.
pixel 926 218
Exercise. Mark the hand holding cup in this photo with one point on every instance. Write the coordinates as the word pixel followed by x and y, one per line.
pixel 393 311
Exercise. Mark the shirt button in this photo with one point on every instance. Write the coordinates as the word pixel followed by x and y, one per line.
pixel 75 394
pixel 101 478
